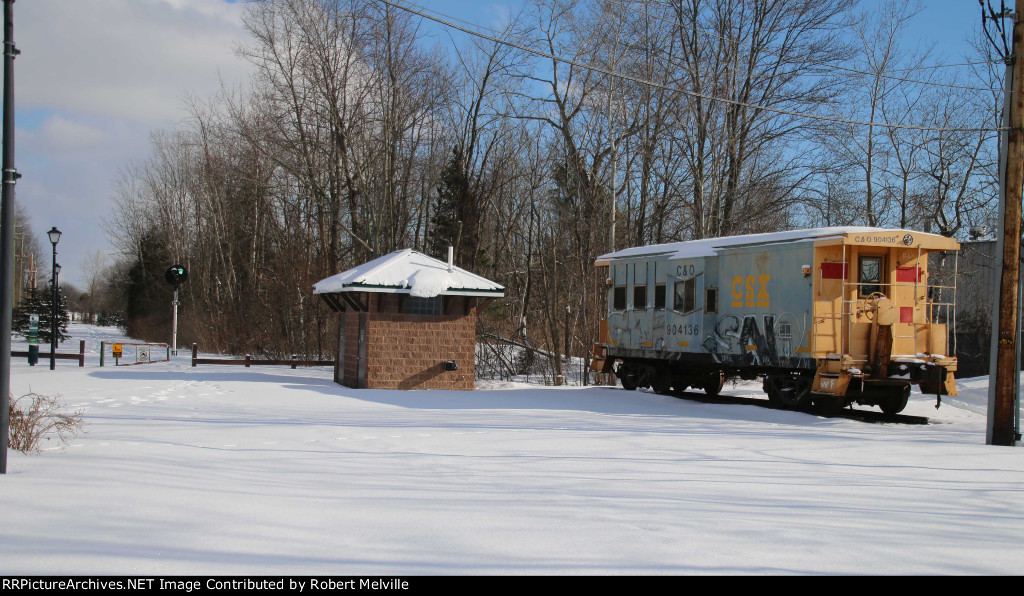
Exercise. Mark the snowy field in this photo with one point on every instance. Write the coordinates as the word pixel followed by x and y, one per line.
pixel 268 470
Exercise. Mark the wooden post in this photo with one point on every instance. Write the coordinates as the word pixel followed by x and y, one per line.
pixel 568 316
pixel 81 353
pixel 248 359
pixel 881 337
pixel 195 351
pixel 1004 375
pixel 103 348
pixel 294 356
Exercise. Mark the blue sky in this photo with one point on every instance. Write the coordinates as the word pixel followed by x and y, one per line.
pixel 95 78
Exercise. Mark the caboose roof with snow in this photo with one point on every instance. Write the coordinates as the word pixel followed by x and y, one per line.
pixel 408 321
pixel 850 235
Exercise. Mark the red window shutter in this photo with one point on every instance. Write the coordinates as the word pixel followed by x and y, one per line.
pixel 908 274
pixel 833 270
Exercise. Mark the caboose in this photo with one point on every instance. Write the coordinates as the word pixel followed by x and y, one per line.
pixel 826 317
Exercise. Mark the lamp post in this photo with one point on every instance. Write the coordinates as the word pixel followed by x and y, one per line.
pixel 55 307
pixel 54 235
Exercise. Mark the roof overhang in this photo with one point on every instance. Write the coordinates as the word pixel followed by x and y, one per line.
pixel 896 239
pixel 357 287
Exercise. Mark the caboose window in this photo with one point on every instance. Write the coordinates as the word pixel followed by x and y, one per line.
pixel 619 298
pixel 686 295
pixel 640 285
pixel 659 296
pixel 785 331
pixel 711 301
pixel 639 296
pixel 870 275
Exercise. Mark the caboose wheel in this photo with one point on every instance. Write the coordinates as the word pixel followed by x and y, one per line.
pixel 661 382
pixel 714 383
pixel 828 405
pixel 895 401
pixel 629 376
pixel 788 392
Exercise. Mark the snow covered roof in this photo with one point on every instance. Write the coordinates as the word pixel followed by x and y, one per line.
pixel 709 247
pixel 412 272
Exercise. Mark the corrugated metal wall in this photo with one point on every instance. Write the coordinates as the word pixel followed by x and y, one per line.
pixel 977 276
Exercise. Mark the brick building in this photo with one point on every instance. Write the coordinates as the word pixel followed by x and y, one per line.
pixel 408 321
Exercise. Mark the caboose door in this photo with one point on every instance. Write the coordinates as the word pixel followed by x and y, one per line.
pixel 658 311
pixel 684 323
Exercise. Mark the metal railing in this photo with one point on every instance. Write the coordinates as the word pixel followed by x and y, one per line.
pixel 249 361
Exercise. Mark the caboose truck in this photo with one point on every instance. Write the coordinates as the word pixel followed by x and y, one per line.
pixel 827 316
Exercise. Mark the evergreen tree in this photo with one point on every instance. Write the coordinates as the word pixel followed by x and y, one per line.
pixel 444 223
pixel 456 218
pixel 39 303
pixel 63 316
pixel 108 318
pixel 31 303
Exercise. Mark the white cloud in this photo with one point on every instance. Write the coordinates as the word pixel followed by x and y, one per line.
pixel 58 131
pixel 126 58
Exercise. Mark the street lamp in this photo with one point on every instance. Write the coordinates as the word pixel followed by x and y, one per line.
pixel 54 235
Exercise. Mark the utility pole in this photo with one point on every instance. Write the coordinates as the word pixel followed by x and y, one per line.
pixel 10 176
pixel 1004 377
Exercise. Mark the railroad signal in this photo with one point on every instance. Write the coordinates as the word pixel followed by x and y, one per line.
pixel 176 275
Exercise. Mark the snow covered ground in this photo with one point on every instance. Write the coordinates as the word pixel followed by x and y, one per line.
pixel 228 470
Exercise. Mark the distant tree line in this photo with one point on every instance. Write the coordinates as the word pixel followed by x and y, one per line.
pixel 581 127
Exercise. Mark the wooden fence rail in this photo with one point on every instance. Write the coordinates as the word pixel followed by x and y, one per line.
pixel 249 360
pixel 80 356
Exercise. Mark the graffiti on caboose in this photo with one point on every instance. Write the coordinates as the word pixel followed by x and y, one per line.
pixel 760 340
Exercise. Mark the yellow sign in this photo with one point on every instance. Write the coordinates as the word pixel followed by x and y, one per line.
pixel 116 349
pixel 744 294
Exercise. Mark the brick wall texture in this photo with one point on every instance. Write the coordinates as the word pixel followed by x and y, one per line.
pixel 409 351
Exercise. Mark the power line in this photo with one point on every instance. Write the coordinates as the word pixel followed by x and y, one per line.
pixel 628 4
pixel 828 65
pixel 694 94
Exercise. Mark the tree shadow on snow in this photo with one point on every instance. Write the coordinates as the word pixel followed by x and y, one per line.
pixel 228 375
pixel 593 399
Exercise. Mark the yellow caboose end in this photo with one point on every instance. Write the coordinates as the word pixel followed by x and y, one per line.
pixel 880 321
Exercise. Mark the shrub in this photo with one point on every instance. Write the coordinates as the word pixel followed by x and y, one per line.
pixel 35 419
